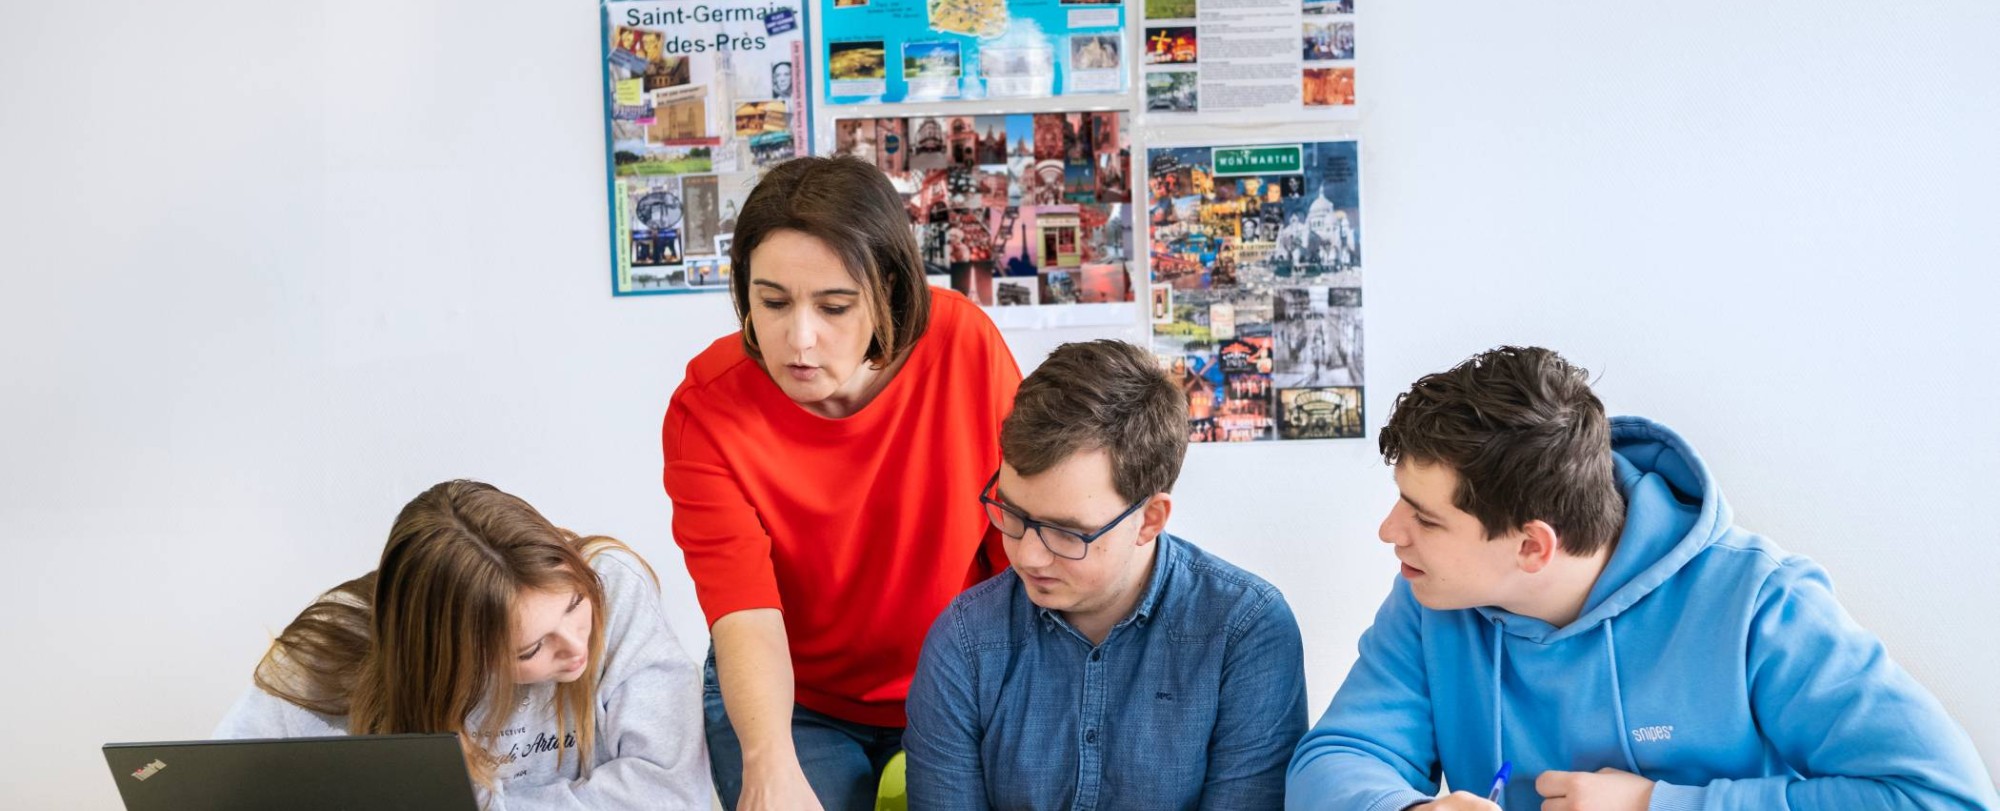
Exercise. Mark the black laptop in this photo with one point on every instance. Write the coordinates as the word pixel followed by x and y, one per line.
pixel 415 772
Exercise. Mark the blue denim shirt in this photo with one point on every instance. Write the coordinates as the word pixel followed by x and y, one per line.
pixel 1193 701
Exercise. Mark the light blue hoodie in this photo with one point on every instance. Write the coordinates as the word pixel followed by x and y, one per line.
pixel 1706 659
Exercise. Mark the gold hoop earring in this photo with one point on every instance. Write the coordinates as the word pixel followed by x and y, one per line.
pixel 750 336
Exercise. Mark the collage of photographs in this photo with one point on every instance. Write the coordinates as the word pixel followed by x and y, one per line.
pixel 1172 55
pixel 1015 210
pixel 1256 288
pixel 676 230
pixel 890 51
pixel 1255 294
pixel 1327 51
pixel 697 106
pixel 1244 65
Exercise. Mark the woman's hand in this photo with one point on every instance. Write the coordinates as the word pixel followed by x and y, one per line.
pixel 754 664
pixel 779 786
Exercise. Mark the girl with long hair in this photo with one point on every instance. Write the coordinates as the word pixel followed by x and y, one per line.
pixel 547 652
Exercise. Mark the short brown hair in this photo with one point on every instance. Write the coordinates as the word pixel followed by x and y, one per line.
pixel 1527 438
pixel 850 206
pixel 1107 395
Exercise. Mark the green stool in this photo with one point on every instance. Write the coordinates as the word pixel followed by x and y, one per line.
pixel 893 794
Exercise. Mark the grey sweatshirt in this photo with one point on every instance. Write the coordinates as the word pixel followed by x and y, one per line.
pixel 649 752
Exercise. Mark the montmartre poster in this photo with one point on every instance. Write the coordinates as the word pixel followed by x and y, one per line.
pixel 1256 293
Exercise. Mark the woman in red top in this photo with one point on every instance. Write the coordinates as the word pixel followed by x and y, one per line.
pixel 824 466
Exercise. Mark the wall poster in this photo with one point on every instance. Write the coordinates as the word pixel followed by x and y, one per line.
pixel 1256 294
pixel 1018 211
pixel 887 51
pixel 1267 60
pixel 698 96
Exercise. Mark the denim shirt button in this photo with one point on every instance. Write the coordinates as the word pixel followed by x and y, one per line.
pixel 1096 655
pixel 1090 737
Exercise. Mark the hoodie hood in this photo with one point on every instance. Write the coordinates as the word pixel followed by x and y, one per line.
pixel 1673 510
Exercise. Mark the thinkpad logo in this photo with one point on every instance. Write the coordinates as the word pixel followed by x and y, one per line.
pixel 149 769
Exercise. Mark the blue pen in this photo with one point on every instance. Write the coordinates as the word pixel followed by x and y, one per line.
pixel 1499 782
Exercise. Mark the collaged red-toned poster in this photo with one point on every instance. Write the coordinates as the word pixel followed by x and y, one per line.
pixel 1021 212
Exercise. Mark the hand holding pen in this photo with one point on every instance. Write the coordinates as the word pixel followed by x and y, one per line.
pixel 1499 788
pixel 1468 801
pixel 1457 801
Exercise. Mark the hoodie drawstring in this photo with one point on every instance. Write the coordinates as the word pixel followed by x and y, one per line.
pixel 1618 700
pixel 1617 693
pixel 1499 700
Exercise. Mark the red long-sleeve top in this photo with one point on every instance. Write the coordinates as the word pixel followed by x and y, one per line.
pixel 861 530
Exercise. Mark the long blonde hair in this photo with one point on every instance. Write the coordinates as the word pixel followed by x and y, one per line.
pixel 424 641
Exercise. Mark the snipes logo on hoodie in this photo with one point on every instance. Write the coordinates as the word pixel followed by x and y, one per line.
pixel 1653 734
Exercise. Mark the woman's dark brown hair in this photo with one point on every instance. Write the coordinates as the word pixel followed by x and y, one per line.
pixel 850 206
pixel 1527 438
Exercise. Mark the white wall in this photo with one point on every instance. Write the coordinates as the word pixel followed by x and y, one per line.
pixel 269 269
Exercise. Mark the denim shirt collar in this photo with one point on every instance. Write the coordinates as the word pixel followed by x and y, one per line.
pixel 1155 586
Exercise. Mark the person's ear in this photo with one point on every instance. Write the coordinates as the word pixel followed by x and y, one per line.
pixel 1153 517
pixel 1539 546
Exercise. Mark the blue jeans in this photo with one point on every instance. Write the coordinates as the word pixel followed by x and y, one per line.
pixel 843 760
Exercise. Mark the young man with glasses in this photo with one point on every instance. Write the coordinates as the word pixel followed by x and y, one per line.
pixel 1114 665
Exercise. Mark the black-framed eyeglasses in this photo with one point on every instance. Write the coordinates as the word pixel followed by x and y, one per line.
pixel 1063 543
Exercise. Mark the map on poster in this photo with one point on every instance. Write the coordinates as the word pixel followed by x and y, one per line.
pixel 1016 211
pixel 698 96
pixel 1266 60
pixel 888 51
pixel 1256 294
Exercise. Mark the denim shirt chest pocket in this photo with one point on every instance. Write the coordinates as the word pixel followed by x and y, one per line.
pixel 1124 724
pixel 1166 715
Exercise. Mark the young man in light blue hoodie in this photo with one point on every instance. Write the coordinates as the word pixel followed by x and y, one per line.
pixel 1576 600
